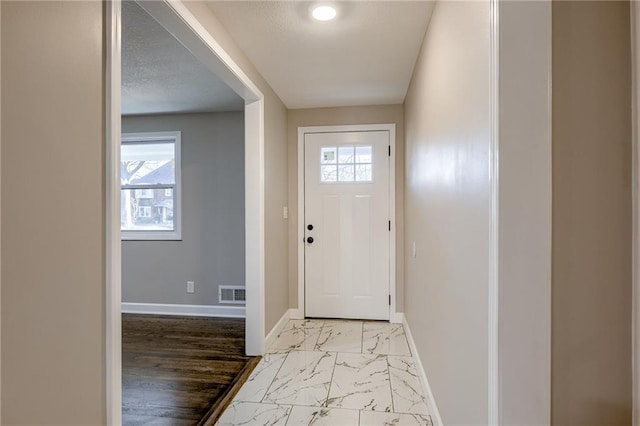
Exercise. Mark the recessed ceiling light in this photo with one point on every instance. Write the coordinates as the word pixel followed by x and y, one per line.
pixel 324 12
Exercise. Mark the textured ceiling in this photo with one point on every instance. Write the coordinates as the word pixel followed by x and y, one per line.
pixel 159 75
pixel 363 57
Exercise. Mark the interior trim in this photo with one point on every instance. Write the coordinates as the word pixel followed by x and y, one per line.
pixel 635 161
pixel 179 21
pixel 113 246
pixel 494 238
pixel 431 401
pixel 186 310
pixel 277 329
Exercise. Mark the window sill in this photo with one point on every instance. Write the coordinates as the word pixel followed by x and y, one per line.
pixel 150 236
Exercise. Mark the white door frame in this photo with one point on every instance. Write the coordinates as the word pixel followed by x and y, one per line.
pixel 394 316
pixel 179 21
pixel 635 173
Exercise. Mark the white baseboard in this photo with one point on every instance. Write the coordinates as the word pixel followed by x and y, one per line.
pixel 431 402
pixel 275 331
pixel 188 310
pixel 295 314
pixel 396 318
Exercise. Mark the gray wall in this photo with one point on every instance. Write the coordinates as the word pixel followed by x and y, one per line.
pixel 211 252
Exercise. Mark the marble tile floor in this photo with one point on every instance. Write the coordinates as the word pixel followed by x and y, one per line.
pixel 333 373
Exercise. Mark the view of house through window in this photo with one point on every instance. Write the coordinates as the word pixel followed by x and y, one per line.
pixel 346 164
pixel 150 176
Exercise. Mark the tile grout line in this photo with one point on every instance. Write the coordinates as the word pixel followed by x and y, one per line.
pixel 393 405
pixel 289 415
pixel 315 345
pixel 335 363
pixel 404 333
pixel 275 376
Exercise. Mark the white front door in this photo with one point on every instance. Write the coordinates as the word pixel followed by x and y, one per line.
pixel 347 228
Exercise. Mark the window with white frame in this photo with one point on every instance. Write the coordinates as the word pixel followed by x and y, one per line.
pixel 150 186
pixel 144 211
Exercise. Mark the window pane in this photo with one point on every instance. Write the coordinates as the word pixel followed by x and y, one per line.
pixel 328 155
pixel 363 154
pixel 345 173
pixel 345 154
pixel 328 173
pixel 147 163
pixel 144 193
pixel 141 213
pixel 363 173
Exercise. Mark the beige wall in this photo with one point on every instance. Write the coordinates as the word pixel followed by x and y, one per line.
pixel 525 213
pixel 53 306
pixel 448 209
pixel 275 122
pixel 591 346
pixel 382 114
pixel 53 214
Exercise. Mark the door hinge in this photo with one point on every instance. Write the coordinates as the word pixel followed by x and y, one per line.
pixel 389 150
pixel 389 225
pixel 389 300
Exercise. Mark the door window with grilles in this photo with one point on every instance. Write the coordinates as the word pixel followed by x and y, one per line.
pixel 346 164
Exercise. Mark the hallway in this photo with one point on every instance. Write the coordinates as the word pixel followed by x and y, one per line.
pixel 333 373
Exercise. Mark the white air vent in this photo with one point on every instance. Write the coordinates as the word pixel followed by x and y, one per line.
pixel 231 294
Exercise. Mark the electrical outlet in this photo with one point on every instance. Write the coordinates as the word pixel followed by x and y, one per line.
pixel 285 212
pixel 191 287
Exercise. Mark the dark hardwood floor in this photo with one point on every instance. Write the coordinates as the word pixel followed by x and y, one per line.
pixel 180 370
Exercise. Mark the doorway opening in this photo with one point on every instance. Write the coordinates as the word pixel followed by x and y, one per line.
pixel 165 214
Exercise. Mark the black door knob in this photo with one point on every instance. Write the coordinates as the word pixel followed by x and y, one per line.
pixel 310 227
pixel 310 240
